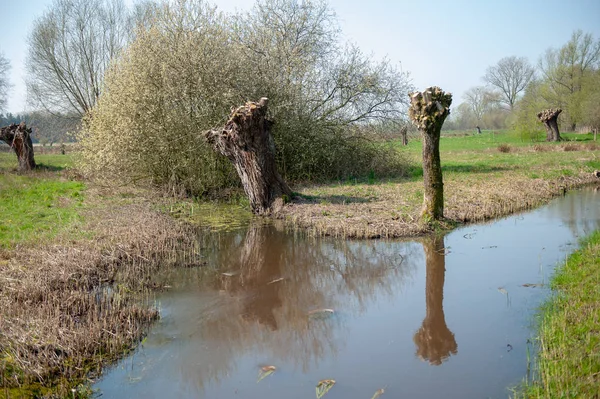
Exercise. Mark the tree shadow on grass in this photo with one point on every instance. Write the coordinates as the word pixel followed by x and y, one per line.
pixel 49 168
pixel 417 171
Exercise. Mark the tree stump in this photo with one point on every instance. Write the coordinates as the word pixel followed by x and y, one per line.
pixel 549 117
pixel 18 137
pixel 478 129
pixel 428 110
pixel 246 140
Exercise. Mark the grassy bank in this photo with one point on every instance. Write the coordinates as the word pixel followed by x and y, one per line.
pixel 485 176
pixel 79 265
pixel 569 356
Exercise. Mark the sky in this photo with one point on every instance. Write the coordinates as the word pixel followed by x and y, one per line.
pixel 442 43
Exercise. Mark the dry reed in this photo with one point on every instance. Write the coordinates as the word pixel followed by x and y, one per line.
pixel 68 309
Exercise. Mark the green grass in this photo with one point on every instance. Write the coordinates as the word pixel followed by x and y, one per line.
pixel 38 205
pixel 479 153
pixel 569 357
pixel 467 141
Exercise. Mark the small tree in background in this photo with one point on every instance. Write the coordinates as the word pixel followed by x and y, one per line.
pixel 510 76
pixel 4 82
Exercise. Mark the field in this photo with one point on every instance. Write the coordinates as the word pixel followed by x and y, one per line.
pixel 64 239
pixel 485 176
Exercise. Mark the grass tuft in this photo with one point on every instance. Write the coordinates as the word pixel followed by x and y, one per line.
pixel 504 148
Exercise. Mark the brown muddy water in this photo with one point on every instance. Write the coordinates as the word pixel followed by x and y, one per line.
pixel 436 318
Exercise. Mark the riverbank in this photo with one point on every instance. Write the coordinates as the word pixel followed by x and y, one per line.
pixel 568 363
pixel 79 262
pixel 484 178
pixel 78 273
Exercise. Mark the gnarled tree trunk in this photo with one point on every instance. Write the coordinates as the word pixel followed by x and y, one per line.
pixel 18 137
pixel 428 110
pixel 549 118
pixel 246 140
pixel 404 134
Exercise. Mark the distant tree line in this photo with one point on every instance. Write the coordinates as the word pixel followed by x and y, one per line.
pixel 567 78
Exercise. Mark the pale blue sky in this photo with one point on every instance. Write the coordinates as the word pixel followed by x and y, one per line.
pixel 444 43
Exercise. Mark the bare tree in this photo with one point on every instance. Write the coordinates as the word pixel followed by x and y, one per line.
pixel 70 48
pixel 510 75
pixel 294 47
pixel 481 101
pixel 4 83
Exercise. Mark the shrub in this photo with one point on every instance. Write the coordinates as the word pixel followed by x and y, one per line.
pixel 183 75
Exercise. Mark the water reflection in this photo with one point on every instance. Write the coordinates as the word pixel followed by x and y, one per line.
pixel 435 342
pixel 266 286
pixel 249 307
pixel 579 211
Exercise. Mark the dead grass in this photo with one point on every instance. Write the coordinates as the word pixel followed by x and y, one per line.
pixel 504 148
pixel 570 146
pixel 69 308
pixel 391 209
pixel 541 148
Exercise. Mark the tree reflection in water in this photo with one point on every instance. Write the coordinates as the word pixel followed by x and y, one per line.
pixel 273 280
pixel 435 342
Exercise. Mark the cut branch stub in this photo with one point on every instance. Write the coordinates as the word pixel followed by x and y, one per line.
pixel 246 140
pixel 428 110
pixel 549 117
pixel 18 137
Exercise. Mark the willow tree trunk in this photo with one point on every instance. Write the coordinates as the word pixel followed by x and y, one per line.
pixel 18 137
pixel 435 342
pixel 549 117
pixel 404 134
pixel 246 140
pixel 428 110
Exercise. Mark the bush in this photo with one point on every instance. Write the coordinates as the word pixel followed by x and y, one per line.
pixel 183 75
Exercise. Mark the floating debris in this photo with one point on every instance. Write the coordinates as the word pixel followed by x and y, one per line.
pixel 323 387
pixel 532 285
pixel 229 274
pixel 509 347
pixel 265 371
pixel 491 246
pixel 378 393
pixel 321 314
pixel 276 280
pixel 502 291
